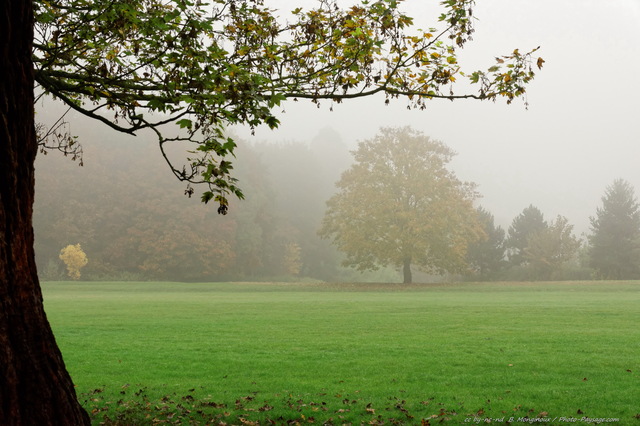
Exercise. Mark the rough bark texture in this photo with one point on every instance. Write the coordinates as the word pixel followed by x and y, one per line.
pixel 35 388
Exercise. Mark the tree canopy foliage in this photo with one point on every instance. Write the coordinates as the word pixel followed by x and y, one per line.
pixel 614 250
pixel 75 259
pixel 486 255
pixel 523 226
pixel 399 205
pixel 550 247
pixel 186 69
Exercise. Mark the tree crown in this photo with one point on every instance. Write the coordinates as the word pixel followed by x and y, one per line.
pixel 614 243
pixel 399 204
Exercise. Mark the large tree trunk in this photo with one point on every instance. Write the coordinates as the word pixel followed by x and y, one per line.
pixel 35 388
pixel 406 270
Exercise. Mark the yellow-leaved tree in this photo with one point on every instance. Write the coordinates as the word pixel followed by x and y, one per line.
pixel 398 205
pixel 75 259
pixel 292 259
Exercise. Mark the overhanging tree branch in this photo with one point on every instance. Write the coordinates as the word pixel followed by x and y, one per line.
pixel 205 65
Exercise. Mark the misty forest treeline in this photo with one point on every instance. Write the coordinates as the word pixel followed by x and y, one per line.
pixel 536 249
pixel 134 222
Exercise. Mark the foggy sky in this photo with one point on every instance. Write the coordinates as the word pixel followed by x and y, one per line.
pixel 579 133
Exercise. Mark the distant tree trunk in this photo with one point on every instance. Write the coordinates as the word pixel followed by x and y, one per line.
pixel 407 270
pixel 35 388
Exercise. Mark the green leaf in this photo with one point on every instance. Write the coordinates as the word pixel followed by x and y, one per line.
pixel 156 104
pixel 185 123
pixel 272 122
pixel 275 99
pixel 207 196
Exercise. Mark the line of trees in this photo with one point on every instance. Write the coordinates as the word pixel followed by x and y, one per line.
pixel 397 206
pixel 535 249
pixel 531 249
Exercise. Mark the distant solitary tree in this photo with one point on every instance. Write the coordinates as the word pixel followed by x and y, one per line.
pixel 614 245
pixel 399 205
pixel 486 256
pixel 75 259
pixel 526 224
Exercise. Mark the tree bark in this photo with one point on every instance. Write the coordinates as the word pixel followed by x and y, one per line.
pixel 408 279
pixel 35 388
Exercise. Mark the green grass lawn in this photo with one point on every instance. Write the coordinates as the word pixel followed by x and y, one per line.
pixel 328 353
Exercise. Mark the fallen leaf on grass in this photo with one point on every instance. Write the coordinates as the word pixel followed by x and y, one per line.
pixel 213 404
